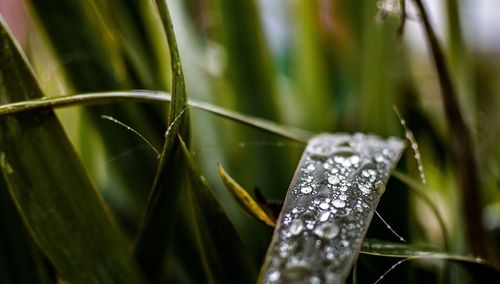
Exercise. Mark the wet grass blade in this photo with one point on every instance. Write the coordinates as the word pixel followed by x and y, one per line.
pixel 295 134
pixel 244 199
pixel 56 199
pixel 225 255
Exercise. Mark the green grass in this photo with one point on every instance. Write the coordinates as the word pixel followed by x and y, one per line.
pixel 85 200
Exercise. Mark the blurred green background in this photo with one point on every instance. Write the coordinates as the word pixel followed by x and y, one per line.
pixel 319 65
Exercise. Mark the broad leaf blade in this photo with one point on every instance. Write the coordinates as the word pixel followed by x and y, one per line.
pixel 57 201
pixel 20 262
pixel 225 256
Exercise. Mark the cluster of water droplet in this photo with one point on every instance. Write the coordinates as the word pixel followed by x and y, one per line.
pixel 328 207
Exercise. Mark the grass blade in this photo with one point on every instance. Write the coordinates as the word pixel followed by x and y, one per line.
pixel 295 134
pixel 156 228
pixel 463 153
pixel 225 256
pixel 244 199
pixel 57 201
pixel 482 270
pixel 20 261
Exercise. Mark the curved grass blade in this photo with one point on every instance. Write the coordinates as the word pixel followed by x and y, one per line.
pixel 295 134
pixel 244 199
pixel 478 267
pixel 156 227
pixel 56 199
pixel 225 256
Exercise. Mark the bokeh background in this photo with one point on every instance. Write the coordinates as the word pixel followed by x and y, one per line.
pixel 319 65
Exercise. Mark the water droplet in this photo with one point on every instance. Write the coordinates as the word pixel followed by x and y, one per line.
pixel 296 227
pixel 311 167
pixel 324 216
pixel 338 159
pixel 333 180
pixel 314 280
pixel 364 189
pixel 306 190
pixel 297 269
pixel 338 203
pixel 343 197
pixel 324 206
pixel 335 170
pixel 354 159
pixel 274 276
pixel 326 166
pixel 327 230
pixel 346 164
pixel 320 150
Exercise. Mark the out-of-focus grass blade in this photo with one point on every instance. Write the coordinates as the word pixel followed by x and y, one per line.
pixel 92 59
pixel 480 268
pixel 244 199
pixel 226 258
pixel 156 228
pixel 61 208
pixel 250 64
pixel 295 134
pixel 20 262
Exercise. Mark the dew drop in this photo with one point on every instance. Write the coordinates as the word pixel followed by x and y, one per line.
pixel 346 164
pixel 327 230
pixel 338 203
pixel 333 180
pixel 314 280
pixel 354 159
pixel 324 216
pixel 306 189
pixel 311 167
pixel 297 269
pixel 296 227
pixel 324 206
pixel 274 276
pixel 364 189
pixel 338 159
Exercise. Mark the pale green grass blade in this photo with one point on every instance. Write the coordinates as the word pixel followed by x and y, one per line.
pixel 57 201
